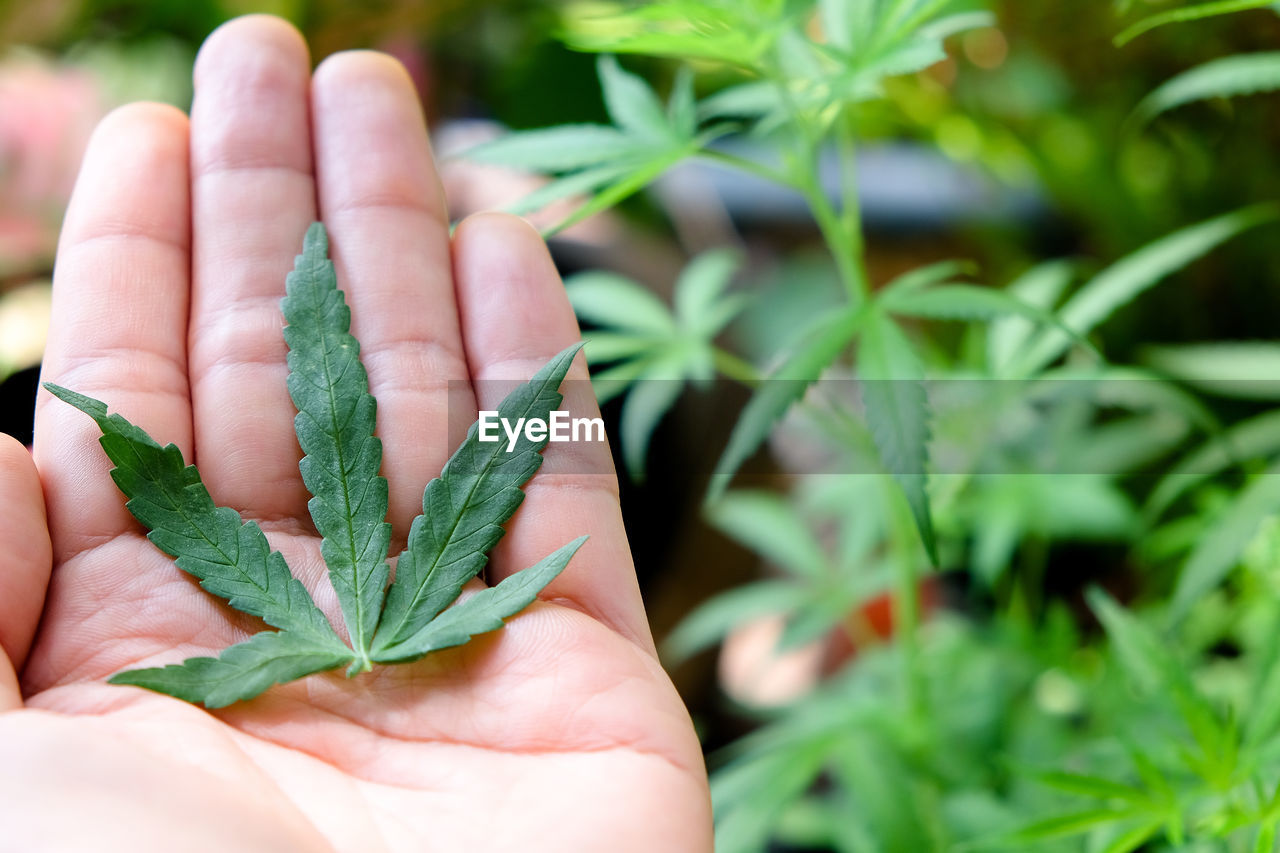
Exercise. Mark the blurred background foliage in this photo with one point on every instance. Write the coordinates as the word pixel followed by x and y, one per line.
pixel 1092 660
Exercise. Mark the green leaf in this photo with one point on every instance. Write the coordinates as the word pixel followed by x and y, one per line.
pixel 897 413
pixel 1131 276
pixel 1219 549
pixel 558 149
pixel 1073 823
pixel 1189 13
pixel 1135 837
pixel 768 525
pixel 603 347
pixel 335 423
pixel 1265 842
pixel 712 620
pixel 699 292
pixel 682 110
pixel 610 300
pixel 755 100
pixel 950 25
pixel 1229 77
pixel 579 183
pixel 1090 786
pixel 777 392
pixel 463 510
pixel 652 395
pixel 612 381
pixel 1254 438
pixel 1146 659
pixel 1262 708
pixel 631 181
pixel 1249 370
pixel 926 276
pixel 231 558
pixel 1041 286
pixel 632 105
pixel 484 611
pixel 733 32
pixel 477 491
pixel 972 302
pixel 241 671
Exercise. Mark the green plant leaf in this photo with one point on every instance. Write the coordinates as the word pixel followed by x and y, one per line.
pixel 606 299
pixel 779 390
pixel 898 413
pixel 632 105
pixel 611 382
pixel 924 277
pixel 1249 439
pixel 732 32
pixel 631 181
pixel 484 611
pixel 1220 547
pixel 231 558
pixel 711 621
pixel 1189 13
pixel 335 422
pixel 1073 823
pixel 1265 841
pixel 1146 659
pixel 558 149
pixel 241 671
pixel 700 307
pixel 462 513
pixel 1229 77
pixel 1246 369
pixel 604 347
pixel 580 183
pixel 1135 837
pixel 682 109
pixel 753 100
pixel 1126 279
pixel 1090 786
pixel 973 302
pixel 769 525
pixel 1041 286
pixel 652 395
pixel 478 490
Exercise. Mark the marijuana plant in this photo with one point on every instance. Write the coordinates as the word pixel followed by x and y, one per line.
pixel 462 513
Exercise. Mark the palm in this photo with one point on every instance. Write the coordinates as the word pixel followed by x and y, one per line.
pixel 560 732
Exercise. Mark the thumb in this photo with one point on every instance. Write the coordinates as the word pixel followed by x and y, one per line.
pixel 25 561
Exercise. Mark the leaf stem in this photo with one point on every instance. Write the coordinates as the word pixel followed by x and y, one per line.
pixel 743 164
pixel 906 598
pixel 842 232
pixel 735 368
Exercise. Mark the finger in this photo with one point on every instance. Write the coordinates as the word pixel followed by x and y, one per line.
pixel 515 316
pixel 381 201
pixel 118 329
pixel 253 197
pixel 25 558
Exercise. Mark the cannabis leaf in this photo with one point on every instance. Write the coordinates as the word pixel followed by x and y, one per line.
pixel 335 421
pixel 477 492
pixel 463 508
pixel 610 161
pixel 657 350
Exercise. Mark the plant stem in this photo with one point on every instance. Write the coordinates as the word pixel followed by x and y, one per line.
pixel 760 170
pixel 735 368
pixel 906 598
pixel 840 240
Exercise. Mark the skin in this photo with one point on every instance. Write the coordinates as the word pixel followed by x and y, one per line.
pixel 560 732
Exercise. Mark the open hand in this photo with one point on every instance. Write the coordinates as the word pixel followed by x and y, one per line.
pixel 560 733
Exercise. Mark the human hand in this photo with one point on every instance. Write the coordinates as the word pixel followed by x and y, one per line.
pixel 561 732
